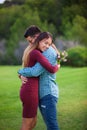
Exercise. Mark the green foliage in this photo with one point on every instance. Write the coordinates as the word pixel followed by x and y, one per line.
pixel 9 59
pixel 68 18
pixel 7 18
pixel 69 13
pixel 17 1
pixel 48 10
pixel 25 18
pixel 77 56
pixel 54 12
pixel 74 21
pixel 77 30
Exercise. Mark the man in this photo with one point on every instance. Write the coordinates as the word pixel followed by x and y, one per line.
pixel 48 90
pixel 31 33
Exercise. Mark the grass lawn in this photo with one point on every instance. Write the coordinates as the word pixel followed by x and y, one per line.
pixel 72 105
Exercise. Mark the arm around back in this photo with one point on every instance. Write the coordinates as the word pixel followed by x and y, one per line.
pixel 44 61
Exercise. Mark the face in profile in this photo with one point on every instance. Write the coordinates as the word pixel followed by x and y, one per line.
pixel 31 39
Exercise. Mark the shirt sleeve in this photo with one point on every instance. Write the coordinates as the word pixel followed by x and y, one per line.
pixel 34 71
pixel 44 62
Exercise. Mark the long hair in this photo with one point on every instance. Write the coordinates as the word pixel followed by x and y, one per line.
pixel 26 55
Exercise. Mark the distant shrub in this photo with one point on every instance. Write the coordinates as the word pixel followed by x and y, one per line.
pixel 77 56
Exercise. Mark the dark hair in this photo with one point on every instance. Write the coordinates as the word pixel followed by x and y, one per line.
pixel 42 36
pixel 31 31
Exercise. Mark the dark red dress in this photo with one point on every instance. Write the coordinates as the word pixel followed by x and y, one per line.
pixel 29 91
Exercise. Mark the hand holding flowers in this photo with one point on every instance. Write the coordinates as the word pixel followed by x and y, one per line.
pixel 62 57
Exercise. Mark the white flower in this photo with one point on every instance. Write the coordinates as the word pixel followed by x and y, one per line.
pixel 62 57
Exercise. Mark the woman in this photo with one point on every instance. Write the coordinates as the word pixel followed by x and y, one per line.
pixel 29 91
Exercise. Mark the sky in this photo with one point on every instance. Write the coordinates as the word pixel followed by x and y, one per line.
pixel 2 1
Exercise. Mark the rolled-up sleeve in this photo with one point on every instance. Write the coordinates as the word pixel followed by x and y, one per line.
pixel 34 71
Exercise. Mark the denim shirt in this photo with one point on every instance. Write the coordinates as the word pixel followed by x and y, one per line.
pixel 47 84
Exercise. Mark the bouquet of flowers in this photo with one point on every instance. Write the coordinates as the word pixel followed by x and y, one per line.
pixel 62 57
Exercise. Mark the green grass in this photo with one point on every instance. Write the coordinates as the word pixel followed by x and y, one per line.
pixel 72 105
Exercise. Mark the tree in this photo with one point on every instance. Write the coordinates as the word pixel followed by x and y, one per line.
pixel 77 30
pixel 48 10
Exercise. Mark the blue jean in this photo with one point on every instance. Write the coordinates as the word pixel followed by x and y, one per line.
pixel 47 107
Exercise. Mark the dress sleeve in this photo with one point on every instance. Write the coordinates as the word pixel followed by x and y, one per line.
pixel 44 62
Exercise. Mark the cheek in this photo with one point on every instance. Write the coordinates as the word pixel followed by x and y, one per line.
pixel 39 46
pixel 42 47
pixel 33 40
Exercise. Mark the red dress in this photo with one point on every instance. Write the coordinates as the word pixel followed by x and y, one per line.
pixel 29 90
